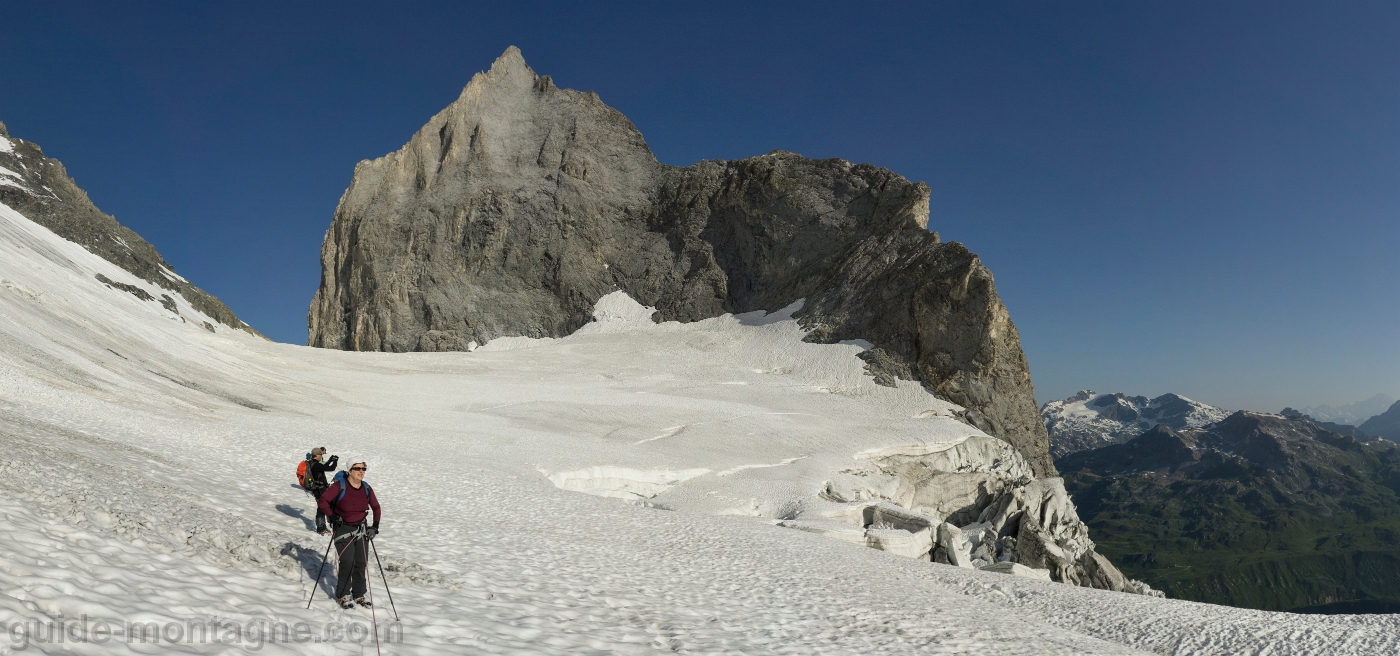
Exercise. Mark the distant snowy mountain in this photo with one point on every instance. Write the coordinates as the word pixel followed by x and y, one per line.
pixel 1353 414
pixel 1191 511
pixel 1089 420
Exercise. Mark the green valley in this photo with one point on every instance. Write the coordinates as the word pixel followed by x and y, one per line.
pixel 1256 511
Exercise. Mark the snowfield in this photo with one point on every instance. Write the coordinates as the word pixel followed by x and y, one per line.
pixel 618 491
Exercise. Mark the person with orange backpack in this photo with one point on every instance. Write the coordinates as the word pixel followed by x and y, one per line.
pixel 312 475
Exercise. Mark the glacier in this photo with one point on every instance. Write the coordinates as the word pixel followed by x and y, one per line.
pixel 631 488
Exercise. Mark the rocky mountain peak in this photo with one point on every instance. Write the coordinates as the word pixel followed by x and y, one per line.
pixel 512 211
pixel 508 71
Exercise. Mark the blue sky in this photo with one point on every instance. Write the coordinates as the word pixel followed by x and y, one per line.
pixel 1195 197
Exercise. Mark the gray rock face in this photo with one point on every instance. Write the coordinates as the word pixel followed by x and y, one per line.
pixel 39 188
pixel 521 204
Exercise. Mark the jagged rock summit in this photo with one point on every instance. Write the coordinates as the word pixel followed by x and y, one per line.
pixel 521 204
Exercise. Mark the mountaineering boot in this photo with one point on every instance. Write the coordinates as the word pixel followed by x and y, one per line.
pixel 363 602
pixel 346 603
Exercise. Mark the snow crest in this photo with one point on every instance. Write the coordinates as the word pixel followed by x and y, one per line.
pixel 1089 420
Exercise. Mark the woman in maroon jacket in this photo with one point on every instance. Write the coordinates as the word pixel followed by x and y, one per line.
pixel 348 502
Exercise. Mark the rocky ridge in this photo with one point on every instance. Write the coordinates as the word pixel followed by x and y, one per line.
pixel 521 204
pixel 1089 421
pixel 1385 424
pixel 1343 429
pixel 39 188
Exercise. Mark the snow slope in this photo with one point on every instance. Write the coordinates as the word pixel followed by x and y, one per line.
pixel 615 491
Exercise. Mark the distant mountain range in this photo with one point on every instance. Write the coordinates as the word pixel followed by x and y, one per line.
pixel 1089 420
pixel 1270 511
pixel 1262 511
pixel 1351 413
pixel 1344 429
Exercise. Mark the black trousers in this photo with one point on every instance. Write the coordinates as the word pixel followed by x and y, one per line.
pixel 353 553
pixel 320 516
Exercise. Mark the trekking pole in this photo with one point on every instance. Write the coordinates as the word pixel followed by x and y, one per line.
pixel 369 589
pixel 317 582
pixel 384 579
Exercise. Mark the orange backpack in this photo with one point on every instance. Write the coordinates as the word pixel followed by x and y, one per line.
pixel 301 471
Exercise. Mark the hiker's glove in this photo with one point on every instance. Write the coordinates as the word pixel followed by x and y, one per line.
pixel 371 532
pixel 337 520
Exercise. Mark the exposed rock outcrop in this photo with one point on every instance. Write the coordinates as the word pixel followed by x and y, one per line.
pixel 521 204
pixel 970 504
pixel 39 188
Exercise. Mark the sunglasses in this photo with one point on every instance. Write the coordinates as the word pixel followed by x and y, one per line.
pixel 357 468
